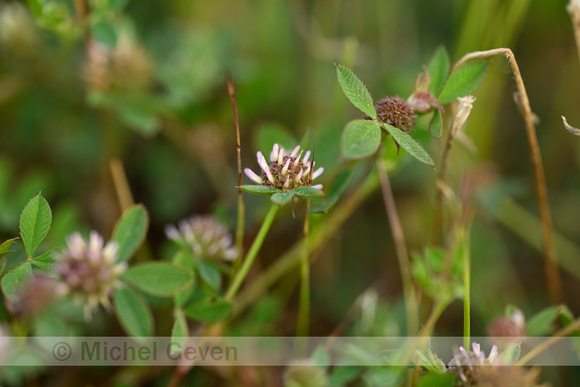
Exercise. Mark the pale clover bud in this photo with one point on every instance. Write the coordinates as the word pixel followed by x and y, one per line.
pixel 127 68
pixel 18 34
pixel 463 111
pixel 286 170
pixel 207 237
pixel 508 326
pixel 305 374
pixel 89 271
pixel 574 11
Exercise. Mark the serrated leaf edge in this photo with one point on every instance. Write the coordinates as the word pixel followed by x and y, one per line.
pixel 432 164
pixel 374 113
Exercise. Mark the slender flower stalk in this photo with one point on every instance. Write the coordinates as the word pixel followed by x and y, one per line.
pixel 409 292
pixel 318 238
pixel 252 253
pixel 304 304
pixel 241 207
pixel 464 243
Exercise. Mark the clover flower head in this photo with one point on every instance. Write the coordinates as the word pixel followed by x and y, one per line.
pixel 396 112
pixel 207 237
pixel 18 34
pixel 36 296
pixel 286 170
pixel 88 270
pixel 472 368
pixel 463 364
pixel 125 68
pixel 508 326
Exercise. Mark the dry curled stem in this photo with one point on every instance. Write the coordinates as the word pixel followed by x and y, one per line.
pixel 570 128
pixel 552 274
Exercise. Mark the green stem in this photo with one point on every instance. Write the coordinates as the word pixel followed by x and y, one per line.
pixel 438 308
pixel 304 306
pixel 241 207
pixel 409 295
pixel 317 240
pixel 467 297
pixel 252 253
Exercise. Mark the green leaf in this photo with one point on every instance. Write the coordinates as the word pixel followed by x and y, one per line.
pixel 437 380
pixel 463 81
pixel 130 231
pixel 16 279
pixel 35 222
pixel 436 124
pixel 409 144
pixel 259 189
pixel 438 70
pixel 36 7
pixel 5 246
pixel 333 192
pixel 320 357
pixel 355 91
pixel 210 274
pixel 308 192
pixel 180 332
pixel 360 138
pixel 209 309
pixel 105 32
pixel 282 198
pixel 139 119
pixel 117 5
pixel 511 353
pixel 159 278
pixel 184 258
pixel 341 376
pixel 133 312
pixel 46 261
pixel 542 323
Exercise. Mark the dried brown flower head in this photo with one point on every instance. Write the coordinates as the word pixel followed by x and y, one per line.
pixel 396 112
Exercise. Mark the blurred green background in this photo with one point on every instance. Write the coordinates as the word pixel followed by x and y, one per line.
pixel 151 91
